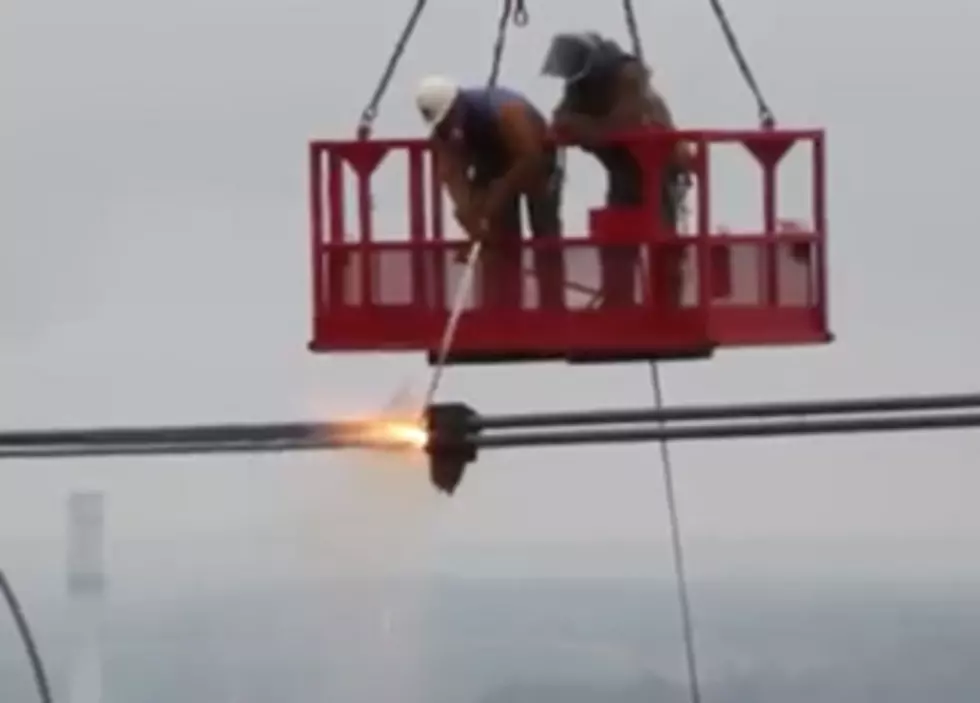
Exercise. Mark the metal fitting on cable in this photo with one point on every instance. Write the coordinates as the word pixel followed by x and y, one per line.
pixel 521 15
pixel 452 443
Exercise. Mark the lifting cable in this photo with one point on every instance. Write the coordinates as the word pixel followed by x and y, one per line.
pixel 511 11
pixel 370 113
pixel 633 28
pixel 30 647
pixel 666 462
pixel 766 117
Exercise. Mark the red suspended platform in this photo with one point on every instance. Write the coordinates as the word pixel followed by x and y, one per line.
pixel 630 287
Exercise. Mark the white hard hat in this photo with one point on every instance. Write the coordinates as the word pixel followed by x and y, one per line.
pixel 435 97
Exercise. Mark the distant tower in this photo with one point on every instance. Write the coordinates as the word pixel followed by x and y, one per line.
pixel 86 592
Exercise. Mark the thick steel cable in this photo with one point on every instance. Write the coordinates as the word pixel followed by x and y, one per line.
pixel 27 639
pixel 350 433
pixel 108 449
pixel 339 432
pixel 572 437
pixel 735 430
pixel 742 411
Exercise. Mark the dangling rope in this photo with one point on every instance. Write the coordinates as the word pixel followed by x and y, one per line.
pixel 666 462
pixel 511 10
pixel 24 630
pixel 677 546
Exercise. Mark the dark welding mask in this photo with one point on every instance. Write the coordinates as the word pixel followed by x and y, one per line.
pixel 571 56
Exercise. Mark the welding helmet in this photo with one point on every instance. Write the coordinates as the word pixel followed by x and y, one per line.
pixel 571 56
pixel 434 98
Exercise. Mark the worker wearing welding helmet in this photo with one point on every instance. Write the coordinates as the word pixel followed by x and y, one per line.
pixel 493 152
pixel 607 91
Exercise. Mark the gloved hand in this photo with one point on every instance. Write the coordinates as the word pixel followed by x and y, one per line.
pixel 461 256
pixel 473 222
pixel 476 231
pixel 471 216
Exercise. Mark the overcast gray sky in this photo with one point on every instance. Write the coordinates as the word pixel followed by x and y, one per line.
pixel 153 267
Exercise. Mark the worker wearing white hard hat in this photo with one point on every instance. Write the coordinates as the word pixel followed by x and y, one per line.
pixel 494 152
pixel 435 98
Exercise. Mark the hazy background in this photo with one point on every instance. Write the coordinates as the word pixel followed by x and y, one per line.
pixel 153 268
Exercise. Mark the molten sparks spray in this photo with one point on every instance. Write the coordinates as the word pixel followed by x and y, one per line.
pixel 389 434
pixel 398 428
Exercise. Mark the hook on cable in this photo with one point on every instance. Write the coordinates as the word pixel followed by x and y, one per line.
pixel 521 15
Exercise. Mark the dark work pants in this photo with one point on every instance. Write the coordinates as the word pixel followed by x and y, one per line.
pixel 620 265
pixel 502 273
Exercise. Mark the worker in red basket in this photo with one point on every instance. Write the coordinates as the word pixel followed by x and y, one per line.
pixel 493 151
pixel 608 90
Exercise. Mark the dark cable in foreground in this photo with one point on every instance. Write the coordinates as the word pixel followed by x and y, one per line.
pixel 34 657
pixel 456 433
pixel 699 413
pixel 340 435
pixel 734 430
pixel 322 441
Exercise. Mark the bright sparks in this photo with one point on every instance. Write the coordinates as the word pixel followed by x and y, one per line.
pixel 388 433
pixel 402 433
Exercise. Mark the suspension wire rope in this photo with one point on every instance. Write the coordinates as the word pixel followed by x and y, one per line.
pixel 743 411
pixel 633 27
pixel 766 117
pixel 370 113
pixel 346 433
pixel 718 430
pixel 27 639
pixel 510 11
pixel 349 432
pixel 734 430
pixel 667 466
